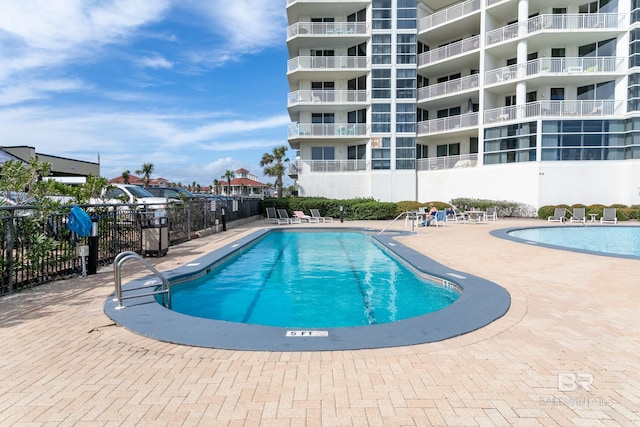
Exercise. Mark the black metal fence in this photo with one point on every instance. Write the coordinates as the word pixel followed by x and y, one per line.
pixel 36 250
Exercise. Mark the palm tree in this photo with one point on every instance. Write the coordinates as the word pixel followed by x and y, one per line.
pixel 229 175
pixel 216 186
pixel 125 176
pixel 274 166
pixel 146 171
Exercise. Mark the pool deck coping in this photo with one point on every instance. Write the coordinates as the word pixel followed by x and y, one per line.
pixel 480 303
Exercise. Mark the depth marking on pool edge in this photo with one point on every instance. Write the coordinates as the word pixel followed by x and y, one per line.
pixel 307 334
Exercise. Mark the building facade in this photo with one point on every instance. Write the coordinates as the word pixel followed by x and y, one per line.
pixel 534 101
pixel 66 170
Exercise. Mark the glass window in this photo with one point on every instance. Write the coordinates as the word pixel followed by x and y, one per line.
pixel 322 153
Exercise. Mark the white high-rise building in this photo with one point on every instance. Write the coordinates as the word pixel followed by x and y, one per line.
pixel 535 101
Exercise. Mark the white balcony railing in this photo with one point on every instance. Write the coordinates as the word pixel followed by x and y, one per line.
pixel 334 97
pixel 542 66
pixel 557 22
pixel 330 29
pixel 449 87
pixel 333 130
pixel 449 14
pixel 573 109
pixel 290 2
pixel 453 49
pixel 308 63
pixel 447 162
pixel 447 124
pixel 302 167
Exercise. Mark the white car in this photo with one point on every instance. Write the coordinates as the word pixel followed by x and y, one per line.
pixel 132 194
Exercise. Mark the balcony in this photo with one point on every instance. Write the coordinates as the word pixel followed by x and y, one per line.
pixel 327 29
pixel 445 52
pixel 556 109
pixel 322 98
pixel 314 67
pixel 449 14
pixel 580 66
pixel 448 88
pixel 305 167
pixel 323 2
pixel 448 124
pixel 564 23
pixel 298 131
pixel 447 162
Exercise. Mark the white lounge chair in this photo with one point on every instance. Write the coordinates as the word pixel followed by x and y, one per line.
pixel 559 215
pixel 284 216
pixel 304 217
pixel 609 216
pixel 315 213
pixel 578 215
pixel 272 215
pixel 491 214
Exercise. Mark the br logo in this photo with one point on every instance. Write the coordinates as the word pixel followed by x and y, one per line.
pixel 571 382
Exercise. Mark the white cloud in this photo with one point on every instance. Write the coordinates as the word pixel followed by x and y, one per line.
pixel 247 26
pixel 124 138
pixel 43 33
pixel 154 61
pixel 37 89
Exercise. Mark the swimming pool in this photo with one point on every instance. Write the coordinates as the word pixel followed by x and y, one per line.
pixel 312 279
pixel 480 303
pixel 607 240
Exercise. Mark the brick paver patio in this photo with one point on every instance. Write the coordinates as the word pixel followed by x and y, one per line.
pixel 566 353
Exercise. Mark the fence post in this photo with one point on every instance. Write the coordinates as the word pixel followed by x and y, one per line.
pixel 10 244
pixel 93 247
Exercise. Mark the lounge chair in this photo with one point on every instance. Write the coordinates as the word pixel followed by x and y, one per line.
pixel 315 213
pixel 272 215
pixel 440 219
pixel 304 217
pixel 558 215
pixel 578 215
pixel 456 216
pixel 609 216
pixel 284 216
pixel 491 214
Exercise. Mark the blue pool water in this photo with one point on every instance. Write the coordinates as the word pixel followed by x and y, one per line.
pixel 623 241
pixel 311 279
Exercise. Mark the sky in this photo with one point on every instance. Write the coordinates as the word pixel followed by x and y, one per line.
pixel 194 87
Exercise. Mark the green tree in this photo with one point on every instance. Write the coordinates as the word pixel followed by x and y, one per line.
pixel 146 171
pixel 125 176
pixel 216 186
pixel 91 189
pixel 229 175
pixel 25 184
pixel 273 164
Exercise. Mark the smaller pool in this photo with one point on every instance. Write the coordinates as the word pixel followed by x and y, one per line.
pixel 619 241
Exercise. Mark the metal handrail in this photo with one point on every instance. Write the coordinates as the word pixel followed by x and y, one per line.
pixel 119 260
pixel 396 218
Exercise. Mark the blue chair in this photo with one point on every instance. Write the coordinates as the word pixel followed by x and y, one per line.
pixel 440 219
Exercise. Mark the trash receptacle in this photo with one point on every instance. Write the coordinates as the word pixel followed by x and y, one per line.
pixel 155 236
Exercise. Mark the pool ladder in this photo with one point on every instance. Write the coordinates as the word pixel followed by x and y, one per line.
pixel 165 288
pixel 411 216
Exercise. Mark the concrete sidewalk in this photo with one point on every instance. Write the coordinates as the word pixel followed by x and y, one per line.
pixel 566 353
